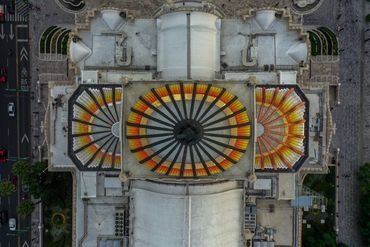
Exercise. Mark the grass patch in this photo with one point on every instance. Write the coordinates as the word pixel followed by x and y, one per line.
pixel 62 41
pixel 320 235
pixel 58 212
pixel 315 44
pixel 43 38
pixel 332 37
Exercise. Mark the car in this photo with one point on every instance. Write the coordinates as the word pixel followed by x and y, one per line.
pixel 3 217
pixel 3 155
pixel 2 12
pixel 3 75
pixel 12 224
pixel 15 181
pixel 11 109
pixel 10 6
pixel 25 188
pixel 24 196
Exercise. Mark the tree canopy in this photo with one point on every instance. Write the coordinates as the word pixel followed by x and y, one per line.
pixel 6 188
pixel 364 177
pixel 21 168
pixel 25 208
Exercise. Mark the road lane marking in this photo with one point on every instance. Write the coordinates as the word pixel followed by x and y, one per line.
pixel 8 131
pixel 11 35
pixel 22 40
pixel 25 244
pixel 24 54
pixel 2 35
pixel 25 137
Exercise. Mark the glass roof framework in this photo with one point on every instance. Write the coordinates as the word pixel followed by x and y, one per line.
pixel 188 130
pixel 94 132
pixel 282 128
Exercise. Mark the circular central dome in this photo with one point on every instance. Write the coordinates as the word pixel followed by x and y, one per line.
pixel 116 129
pixel 188 130
pixel 260 129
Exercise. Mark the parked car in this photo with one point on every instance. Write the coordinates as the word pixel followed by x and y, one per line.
pixel 10 6
pixel 3 217
pixel 24 196
pixel 11 109
pixel 25 188
pixel 3 75
pixel 12 224
pixel 15 181
pixel 3 155
pixel 2 12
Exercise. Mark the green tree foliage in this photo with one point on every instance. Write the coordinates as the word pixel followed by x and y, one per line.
pixel 6 188
pixel 321 235
pixel 342 245
pixel 21 168
pixel 364 177
pixel 25 208
pixel 44 185
pixel 367 18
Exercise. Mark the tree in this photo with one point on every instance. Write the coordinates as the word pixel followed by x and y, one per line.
pixel 25 208
pixel 364 221
pixel 342 245
pixel 6 188
pixel 21 168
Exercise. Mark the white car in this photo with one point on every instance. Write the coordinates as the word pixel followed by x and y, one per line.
pixel 12 224
pixel 11 109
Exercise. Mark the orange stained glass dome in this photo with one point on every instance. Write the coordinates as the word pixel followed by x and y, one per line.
pixel 281 125
pixel 94 139
pixel 188 130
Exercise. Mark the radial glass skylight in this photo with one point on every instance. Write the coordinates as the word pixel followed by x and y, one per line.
pixel 280 133
pixel 95 128
pixel 188 130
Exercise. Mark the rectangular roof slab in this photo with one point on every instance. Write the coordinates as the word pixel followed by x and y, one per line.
pixel 240 170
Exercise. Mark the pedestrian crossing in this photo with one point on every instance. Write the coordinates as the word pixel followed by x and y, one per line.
pixel 21 12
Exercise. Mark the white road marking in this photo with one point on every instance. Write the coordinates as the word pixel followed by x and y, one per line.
pixel 25 244
pixel 8 131
pixel 2 35
pixel 11 35
pixel 24 54
pixel 25 137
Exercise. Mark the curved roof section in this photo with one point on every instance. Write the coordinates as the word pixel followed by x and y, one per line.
pixel 298 52
pixel 94 120
pixel 112 18
pixel 166 216
pixel 265 18
pixel 79 51
pixel 282 124
pixel 188 130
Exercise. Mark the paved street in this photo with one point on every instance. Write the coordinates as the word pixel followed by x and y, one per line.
pixel 14 131
pixel 348 115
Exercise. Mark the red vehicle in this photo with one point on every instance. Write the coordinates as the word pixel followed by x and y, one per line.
pixel 3 155
pixel 14 181
pixel 3 75
pixel 2 12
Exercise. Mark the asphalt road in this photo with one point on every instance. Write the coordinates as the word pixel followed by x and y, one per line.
pixel 348 116
pixel 14 131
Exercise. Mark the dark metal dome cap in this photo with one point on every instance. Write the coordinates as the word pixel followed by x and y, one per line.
pixel 188 130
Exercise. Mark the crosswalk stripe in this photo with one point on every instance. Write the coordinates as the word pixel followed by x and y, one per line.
pixel 21 12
